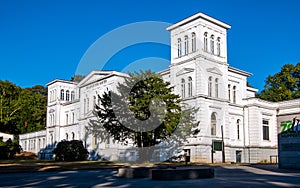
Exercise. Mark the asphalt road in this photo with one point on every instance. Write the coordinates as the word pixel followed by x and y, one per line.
pixel 225 176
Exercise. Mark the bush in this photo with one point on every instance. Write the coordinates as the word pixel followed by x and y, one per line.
pixel 8 149
pixel 70 151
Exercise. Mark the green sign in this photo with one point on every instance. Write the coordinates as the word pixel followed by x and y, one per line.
pixel 217 145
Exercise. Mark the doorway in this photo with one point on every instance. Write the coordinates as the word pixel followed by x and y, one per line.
pixel 238 155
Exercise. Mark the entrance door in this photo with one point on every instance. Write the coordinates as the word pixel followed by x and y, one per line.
pixel 238 155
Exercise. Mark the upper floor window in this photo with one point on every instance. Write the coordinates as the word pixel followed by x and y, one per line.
pixel 72 95
pixel 193 42
pixel 67 119
pixel 234 94
pixel 218 46
pixel 186 45
pixel 182 88
pixel 216 87
pixel 238 128
pixel 73 117
pixel 67 95
pixel 213 124
pixel 210 86
pixel 212 44
pixel 179 48
pixel 62 94
pixel 84 106
pixel 229 92
pixel 190 86
pixel 265 129
pixel 205 42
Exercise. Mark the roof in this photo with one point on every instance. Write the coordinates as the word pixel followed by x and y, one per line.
pixel 197 16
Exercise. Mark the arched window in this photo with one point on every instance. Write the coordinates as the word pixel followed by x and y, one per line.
pixel 73 136
pixel 67 136
pixel 186 45
pixel 179 48
pixel 67 95
pixel 182 88
pixel 190 86
pixel 229 92
pixel 51 96
pixel 234 94
pixel 205 42
pixel 210 86
pixel 72 95
pixel 238 128
pixel 216 87
pixel 193 42
pixel 212 44
pixel 213 124
pixel 51 139
pixel 62 94
pixel 218 46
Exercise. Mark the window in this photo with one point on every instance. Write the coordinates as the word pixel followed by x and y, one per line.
pixel 67 136
pixel 94 101
pixel 51 96
pixel 182 88
pixel 213 124
pixel 193 42
pixel 216 88
pixel 62 94
pixel 212 44
pixel 73 136
pixel 209 86
pixel 238 128
pixel 67 95
pixel 229 93
pixel 190 86
pixel 73 118
pixel 88 104
pixel 234 94
pixel 179 49
pixel 67 118
pixel 218 46
pixel 186 45
pixel 84 106
pixel 265 130
pixel 205 42
pixel 72 95
pixel 51 139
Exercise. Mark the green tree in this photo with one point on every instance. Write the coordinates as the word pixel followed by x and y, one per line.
pixel 22 110
pixel 284 85
pixel 144 110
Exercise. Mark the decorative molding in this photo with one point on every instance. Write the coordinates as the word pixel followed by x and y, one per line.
pixel 214 71
pixel 184 71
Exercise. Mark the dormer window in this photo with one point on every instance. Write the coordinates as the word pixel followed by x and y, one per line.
pixel 205 42
pixel 179 48
pixel 212 44
pixel 62 94
pixel 193 42
pixel 186 45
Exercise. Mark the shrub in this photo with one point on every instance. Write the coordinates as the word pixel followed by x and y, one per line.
pixel 8 149
pixel 70 151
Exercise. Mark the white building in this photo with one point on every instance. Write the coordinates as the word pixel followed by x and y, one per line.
pixel 202 77
pixel 4 137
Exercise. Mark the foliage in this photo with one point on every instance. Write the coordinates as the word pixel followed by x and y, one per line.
pixel 22 110
pixel 284 85
pixel 77 78
pixel 70 151
pixel 144 99
pixel 8 149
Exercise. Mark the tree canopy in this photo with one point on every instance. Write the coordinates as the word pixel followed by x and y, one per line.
pixel 284 85
pixel 22 110
pixel 145 110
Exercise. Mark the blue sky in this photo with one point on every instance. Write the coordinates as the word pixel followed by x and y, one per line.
pixel 44 40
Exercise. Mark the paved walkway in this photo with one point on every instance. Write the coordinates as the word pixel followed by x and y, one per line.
pixel 225 176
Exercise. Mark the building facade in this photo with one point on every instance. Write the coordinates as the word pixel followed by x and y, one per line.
pixel 229 113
